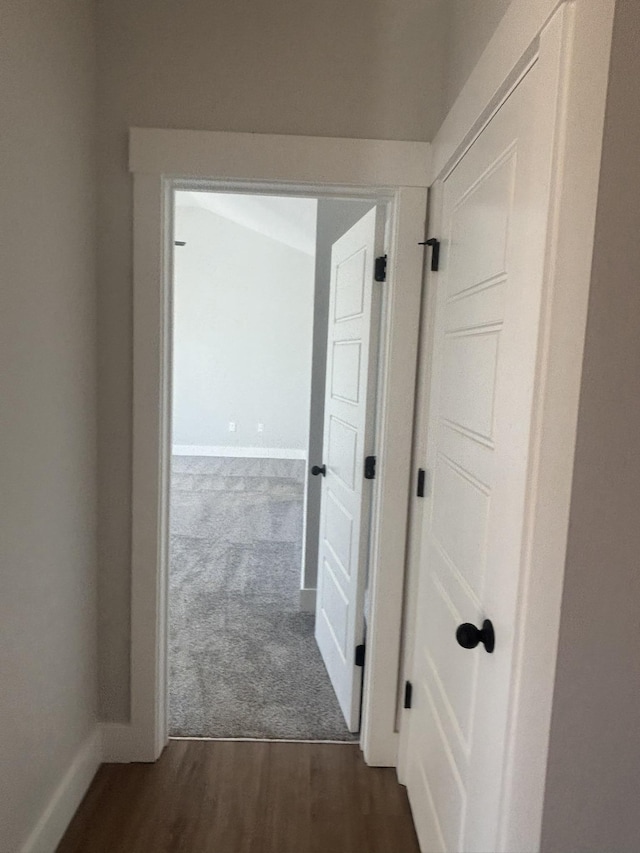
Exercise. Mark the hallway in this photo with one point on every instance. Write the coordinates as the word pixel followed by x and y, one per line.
pixel 239 797
pixel 479 620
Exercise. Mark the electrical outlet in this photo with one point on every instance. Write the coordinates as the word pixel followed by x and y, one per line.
pixel 260 427
pixel 232 426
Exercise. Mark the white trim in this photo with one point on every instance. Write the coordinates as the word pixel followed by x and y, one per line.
pixel 267 157
pixel 311 166
pixel 308 599
pixel 239 452
pixel 56 816
pixel 572 47
pixel 151 454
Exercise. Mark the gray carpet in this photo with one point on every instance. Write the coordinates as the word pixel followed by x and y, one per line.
pixel 243 658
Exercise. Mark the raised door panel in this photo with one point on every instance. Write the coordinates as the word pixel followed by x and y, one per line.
pixel 338 532
pixel 460 518
pixel 342 452
pixel 481 218
pixel 468 379
pixel 350 286
pixel 345 372
pixel 335 608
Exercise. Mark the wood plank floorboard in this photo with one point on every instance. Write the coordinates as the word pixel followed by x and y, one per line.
pixel 238 797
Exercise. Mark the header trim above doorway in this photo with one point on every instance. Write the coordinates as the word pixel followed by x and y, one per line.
pixel 270 157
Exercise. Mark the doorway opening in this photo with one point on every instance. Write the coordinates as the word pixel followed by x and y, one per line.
pixel 274 369
pixel 393 176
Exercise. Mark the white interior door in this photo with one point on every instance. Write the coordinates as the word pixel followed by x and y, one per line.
pixel 487 314
pixel 348 439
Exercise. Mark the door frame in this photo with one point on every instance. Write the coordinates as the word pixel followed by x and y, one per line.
pixel 572 42
pixel 393 172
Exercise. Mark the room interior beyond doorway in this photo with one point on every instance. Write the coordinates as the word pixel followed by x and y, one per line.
pixel 248 319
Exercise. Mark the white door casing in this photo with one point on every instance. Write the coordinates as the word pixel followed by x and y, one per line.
pixel 392 173
pixel 352 348
pixel 487 310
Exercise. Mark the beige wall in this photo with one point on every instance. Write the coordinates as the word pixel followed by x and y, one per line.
pixel 594 765
pixel 366 68
pixel 47 408
pixel 471 25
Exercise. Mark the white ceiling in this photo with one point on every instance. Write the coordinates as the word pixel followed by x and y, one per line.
pixel 291 221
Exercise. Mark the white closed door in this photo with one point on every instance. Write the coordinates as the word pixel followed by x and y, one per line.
pixel 348 439
pixel 493 222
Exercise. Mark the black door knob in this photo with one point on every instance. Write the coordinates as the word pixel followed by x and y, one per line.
pixel 319 469
pixel 468 636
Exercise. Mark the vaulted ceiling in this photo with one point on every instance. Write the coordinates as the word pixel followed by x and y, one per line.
pixel 291 221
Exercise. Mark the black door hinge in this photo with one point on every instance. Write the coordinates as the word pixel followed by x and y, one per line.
pixel 435 252
pixel 370 468
pixel 360 652
pixel 380 271
pixel 408 694
pixel 421 478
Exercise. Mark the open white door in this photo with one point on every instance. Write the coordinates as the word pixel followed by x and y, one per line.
pixel 352 348
pixel 487 314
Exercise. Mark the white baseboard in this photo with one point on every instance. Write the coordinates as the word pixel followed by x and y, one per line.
pixel 47 833
pixel 308 600
pixel 239 452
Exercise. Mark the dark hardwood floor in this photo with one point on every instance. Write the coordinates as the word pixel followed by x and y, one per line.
pixel 231 797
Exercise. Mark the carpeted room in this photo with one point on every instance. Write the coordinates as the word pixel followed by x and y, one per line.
pixel 244 662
